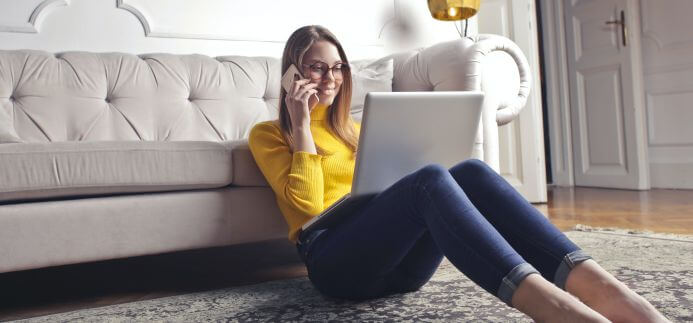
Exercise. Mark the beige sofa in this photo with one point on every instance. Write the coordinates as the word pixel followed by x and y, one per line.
pixel 111 155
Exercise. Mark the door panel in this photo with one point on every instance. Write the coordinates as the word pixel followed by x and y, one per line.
pixel 602 125
pixel 606 94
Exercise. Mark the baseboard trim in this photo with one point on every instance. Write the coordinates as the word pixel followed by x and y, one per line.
pixel 671 175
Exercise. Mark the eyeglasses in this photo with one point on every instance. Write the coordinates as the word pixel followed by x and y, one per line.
pixel 319 69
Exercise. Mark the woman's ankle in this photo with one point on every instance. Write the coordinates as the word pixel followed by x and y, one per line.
pixel 602 292
pixel 592 284
pixel 544 302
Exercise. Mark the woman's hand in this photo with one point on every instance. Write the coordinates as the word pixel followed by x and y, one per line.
pixel 300 100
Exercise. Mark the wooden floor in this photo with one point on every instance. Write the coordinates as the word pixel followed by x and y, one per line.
pixel 66 288
pixel 668 211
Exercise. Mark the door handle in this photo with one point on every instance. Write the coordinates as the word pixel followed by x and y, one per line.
pixel 622 23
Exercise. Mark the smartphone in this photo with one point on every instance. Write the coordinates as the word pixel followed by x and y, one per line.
pixel 290 76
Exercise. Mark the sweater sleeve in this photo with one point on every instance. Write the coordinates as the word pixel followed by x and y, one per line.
pixel 296 178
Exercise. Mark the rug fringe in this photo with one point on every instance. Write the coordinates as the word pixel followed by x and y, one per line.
pixel 625 231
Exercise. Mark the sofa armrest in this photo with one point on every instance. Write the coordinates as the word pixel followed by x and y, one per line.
pixel 488 63
pixel 510 105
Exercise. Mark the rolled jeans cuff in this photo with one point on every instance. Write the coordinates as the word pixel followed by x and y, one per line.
pixel 569 262
pixel 512 280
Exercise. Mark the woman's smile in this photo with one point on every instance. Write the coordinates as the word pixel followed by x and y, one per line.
pixel 327 91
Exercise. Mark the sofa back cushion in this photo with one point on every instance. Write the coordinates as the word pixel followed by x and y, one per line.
pixel 77 96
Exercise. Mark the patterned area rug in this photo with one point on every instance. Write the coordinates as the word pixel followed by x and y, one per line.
pixel 657 266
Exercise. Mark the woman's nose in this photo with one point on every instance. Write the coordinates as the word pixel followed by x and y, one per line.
pixel 329 75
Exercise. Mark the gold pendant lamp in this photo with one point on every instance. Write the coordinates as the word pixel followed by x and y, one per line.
pixel 452 10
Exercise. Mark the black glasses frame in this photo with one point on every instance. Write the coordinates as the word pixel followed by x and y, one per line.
pixel 344 66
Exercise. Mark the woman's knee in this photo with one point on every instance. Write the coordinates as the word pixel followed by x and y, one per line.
pixel 472 165
pixel 431 172
pixel 471 168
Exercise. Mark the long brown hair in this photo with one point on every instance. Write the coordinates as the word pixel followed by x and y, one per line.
pixel 338 116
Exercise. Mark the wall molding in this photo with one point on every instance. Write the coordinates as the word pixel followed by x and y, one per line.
pixel 650 33
pixel 150 30
pixel 37 17
pixel 120 4
pixel 653 109
pixel 668 69
pixel 669 175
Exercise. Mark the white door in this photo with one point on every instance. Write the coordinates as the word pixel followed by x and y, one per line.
pixel 606 93
pixel 521 142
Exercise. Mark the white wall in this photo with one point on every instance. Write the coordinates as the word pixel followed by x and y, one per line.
pixel 213 27
pixel 668 67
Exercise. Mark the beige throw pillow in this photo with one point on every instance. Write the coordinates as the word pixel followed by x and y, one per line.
pixel 369 76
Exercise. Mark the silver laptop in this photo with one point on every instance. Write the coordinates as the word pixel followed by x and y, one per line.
pixel 400 133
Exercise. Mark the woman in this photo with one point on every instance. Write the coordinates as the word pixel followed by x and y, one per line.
pixel 394 244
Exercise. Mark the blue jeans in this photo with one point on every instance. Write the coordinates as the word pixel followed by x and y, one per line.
pixel 468 214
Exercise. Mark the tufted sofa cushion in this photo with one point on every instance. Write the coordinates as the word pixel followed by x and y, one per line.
pixel 48 170
pixel 79 96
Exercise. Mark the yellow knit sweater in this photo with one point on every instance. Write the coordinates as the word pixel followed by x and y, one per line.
pixel 304 183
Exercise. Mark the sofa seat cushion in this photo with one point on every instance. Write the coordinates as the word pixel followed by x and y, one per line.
pixel 59 169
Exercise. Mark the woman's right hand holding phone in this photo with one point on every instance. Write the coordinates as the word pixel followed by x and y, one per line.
pixel 300 101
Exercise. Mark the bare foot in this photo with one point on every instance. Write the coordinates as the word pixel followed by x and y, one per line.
pixel 544 302
pixel 602 292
